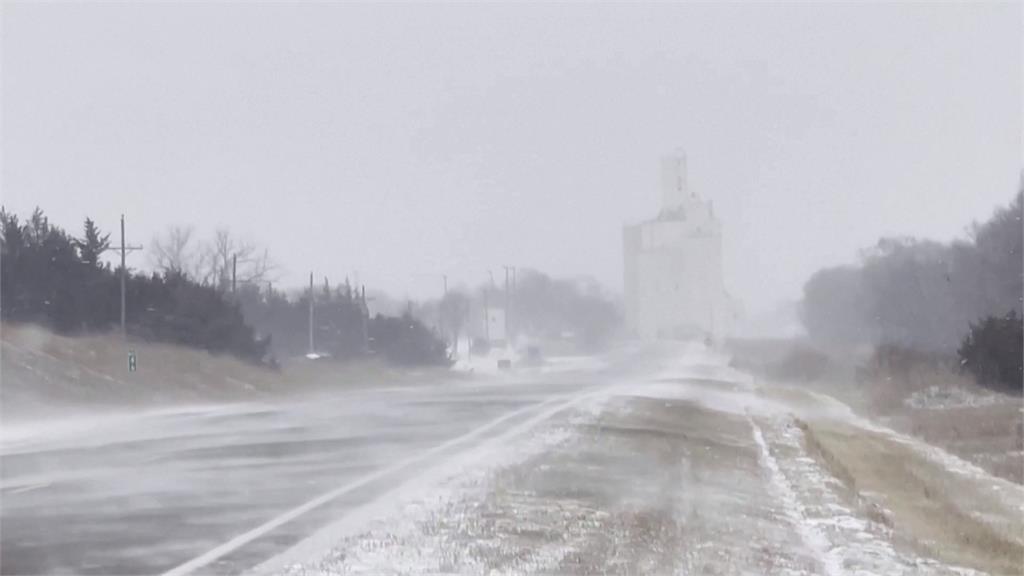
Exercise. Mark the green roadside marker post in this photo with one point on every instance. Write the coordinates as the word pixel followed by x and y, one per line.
pixel 131 361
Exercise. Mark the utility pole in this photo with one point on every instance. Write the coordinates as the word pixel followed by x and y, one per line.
pixel 234 269
pixel 515 294
pixel 312 350
pixel 510 278
pixel 442 319
pixel 124 330
pixel 364 313
pixel 487 309
pixel 124 274
pixel 508 315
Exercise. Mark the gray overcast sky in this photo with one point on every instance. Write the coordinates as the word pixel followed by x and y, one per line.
pixel 401 141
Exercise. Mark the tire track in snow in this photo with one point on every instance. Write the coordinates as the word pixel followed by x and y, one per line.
pixel 544 410
pixel 811 536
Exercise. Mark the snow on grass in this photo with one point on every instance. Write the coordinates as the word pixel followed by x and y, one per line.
pixel 844 540
pixel 944 397
pixel 1009 494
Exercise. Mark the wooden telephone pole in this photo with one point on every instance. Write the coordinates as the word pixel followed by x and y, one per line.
pixel 510 281
pixel 124 278
pixel 312 350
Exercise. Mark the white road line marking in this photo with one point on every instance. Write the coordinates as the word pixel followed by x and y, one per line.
pixel 247 537
pixel 324 539
pixel 27 488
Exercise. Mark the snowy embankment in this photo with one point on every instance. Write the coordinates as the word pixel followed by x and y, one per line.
pixel 942 398
pixel 48 376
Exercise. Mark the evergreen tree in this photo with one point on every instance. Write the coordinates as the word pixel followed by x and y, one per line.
pixel 51 278
pixel 93 244
pixel 993 351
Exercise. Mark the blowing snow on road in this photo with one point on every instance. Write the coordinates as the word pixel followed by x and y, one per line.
pixel 324 288
pixel 687 468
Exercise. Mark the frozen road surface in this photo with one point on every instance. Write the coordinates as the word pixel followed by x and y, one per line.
pixel 683 467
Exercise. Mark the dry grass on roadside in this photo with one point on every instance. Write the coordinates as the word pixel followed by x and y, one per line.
pixel 45 373
pixel 918 394
pixel 932 511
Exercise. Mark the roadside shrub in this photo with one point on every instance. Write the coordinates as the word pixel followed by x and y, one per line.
pixel 993 352
pixel 406 341
pixel 893 361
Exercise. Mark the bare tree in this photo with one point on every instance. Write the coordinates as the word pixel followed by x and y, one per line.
pixel 225 252
pixel 212 263
pixel 175 252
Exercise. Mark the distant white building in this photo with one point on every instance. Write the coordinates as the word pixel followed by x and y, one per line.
pixel 673 265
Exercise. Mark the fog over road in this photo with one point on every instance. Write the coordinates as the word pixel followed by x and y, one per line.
pixel 684 466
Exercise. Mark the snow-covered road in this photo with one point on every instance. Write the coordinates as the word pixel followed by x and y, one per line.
pixel 219 488
pixel 684 466
pixel 692 468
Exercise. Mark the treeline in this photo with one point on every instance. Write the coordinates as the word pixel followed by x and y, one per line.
pixel 535 306
pixel 925 295
pixel 197 298
pixel 342 326
pixel 52 278
pixel 551 307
